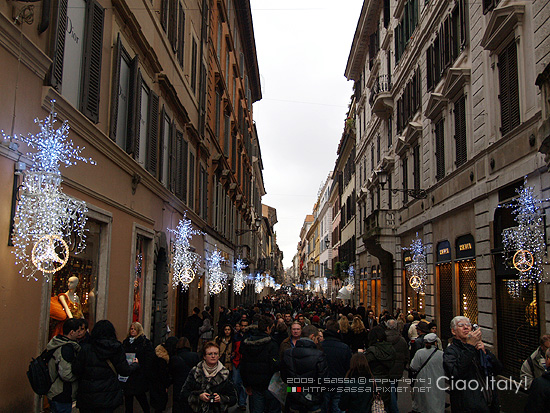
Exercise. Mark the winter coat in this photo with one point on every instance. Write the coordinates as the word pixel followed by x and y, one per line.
pixel 197 383
pixel 206 331
pixel 159 378
pixel 539 395
pixel 180 365
pixel 226 349
pixel 285 345
pixel 259 360
pixel 64 384
pixel 381 357
pixel 98 385
pixel 354 401
pixel 304 361
pixel 533 367
pixel 462 361
pixel 401 353
pixel 279 337
pixel 358 340
pixel 338 354
pixel 143 349
pixel 430 396
pixel 191 328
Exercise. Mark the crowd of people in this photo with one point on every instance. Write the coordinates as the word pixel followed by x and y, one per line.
pixel 284 354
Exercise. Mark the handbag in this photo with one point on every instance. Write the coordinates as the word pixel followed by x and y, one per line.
pixel 57 312
pixel 377 405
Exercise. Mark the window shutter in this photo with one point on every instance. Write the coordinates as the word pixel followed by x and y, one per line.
pixel 416 167
pixel 191 202
pixel 59 45
pixel 164 14
pixel 509 89
pixel 460 131
pixel 184 165
pixel 177 166
pixel 172 24
pixel 153 135
pixel 162 132
pixel 137 116
pixel 181 35
pixel 429 69
pixel 115 89
pixel 173 158
pixel 440 149
pixel 93 46
pixel 387 15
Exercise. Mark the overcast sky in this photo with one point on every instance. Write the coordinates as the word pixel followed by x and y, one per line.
pixel 302 48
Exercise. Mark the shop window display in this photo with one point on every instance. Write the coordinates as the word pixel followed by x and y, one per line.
pixel 74 287
pixel 137 310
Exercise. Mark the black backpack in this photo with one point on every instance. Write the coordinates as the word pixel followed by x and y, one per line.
pixel 39 374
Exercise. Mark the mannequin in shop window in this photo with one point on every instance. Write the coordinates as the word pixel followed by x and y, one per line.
pixel 70 303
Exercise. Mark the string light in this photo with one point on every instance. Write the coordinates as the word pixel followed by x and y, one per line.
pixel 524 245
pixel 238 276
pixel 45 218
pixel 351 278
pixel 185 263
pixel 217 279
pixel 417 269
pixel 324 285
pixel 259 283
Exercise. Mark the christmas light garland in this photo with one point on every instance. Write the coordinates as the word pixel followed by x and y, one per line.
pixel 238 276
pixel 351 278
pixel 185 263
pixel 217 279
pixel 47 222
pixel 417 270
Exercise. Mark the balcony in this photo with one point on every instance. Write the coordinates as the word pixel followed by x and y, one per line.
pixel 380 223
pixel 381 99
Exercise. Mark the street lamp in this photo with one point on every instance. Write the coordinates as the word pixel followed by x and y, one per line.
pixel 414 193
pixel 327 243
pixel 257 223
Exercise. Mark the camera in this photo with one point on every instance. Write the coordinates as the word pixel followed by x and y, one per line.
pixel 211 398
pixel 474 327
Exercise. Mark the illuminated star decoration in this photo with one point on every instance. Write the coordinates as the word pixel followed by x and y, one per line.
pixel 324 285
pixel 351 278
pixel 524 245
pixel 417 269
pixel 185 263
pixel 238 276
pixel 47 221
pixel 217 279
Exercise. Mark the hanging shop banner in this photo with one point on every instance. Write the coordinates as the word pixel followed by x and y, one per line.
pixel 465 247
pixel 443 252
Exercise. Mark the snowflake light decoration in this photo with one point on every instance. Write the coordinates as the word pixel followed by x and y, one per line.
pixel 524 245
pixel 351 278
pixel 324 285
pixel 417 270
pixel 259 283
pixel 47 221
pixel 217 279
pixel 185 263
pixel 238 276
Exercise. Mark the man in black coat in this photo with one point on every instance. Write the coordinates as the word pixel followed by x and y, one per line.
pixel 302 365
pixel 470 368
pixel 539 391
pixel 191 328
pixel 338 356
pixel 401 357
pixel 259 360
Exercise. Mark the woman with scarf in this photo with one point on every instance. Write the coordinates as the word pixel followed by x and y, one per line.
pixel 225 341
pixel 207 388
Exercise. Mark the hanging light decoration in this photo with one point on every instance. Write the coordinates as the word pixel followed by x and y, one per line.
pixel 417 269
pixel 351 278
pixel 47 222
pixel 324 285
pixel 317 285
pixel 238 276
pixel 524 245
pixel 217 279
pixel 259 283
pixel 513 287
pixel 185 263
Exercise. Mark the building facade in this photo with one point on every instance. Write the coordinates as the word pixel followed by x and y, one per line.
pixel 447 125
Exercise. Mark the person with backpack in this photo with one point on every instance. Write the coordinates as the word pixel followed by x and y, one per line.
pixel 535 365
pixel 63 349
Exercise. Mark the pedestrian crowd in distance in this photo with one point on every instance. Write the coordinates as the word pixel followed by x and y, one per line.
pixel 284 354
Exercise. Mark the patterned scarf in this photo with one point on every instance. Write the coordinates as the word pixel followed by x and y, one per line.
pixel 210 372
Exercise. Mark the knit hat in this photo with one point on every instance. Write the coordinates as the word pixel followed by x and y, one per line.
pixel 430 338
pixel 315 319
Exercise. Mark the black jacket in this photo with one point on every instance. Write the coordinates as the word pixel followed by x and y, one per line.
pixel 381 357
pixel 138 382
pixel 463 362
pixel 98 385
pixel 304 361
pixel 259 360
pixel 338 354
pixel 401 353
pixel 191 328
pixel 539 395
pixel 180 365
pixel 358 341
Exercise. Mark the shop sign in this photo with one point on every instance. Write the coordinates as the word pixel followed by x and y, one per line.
pixel 407 257
pixel 465 247
pixel 443 251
